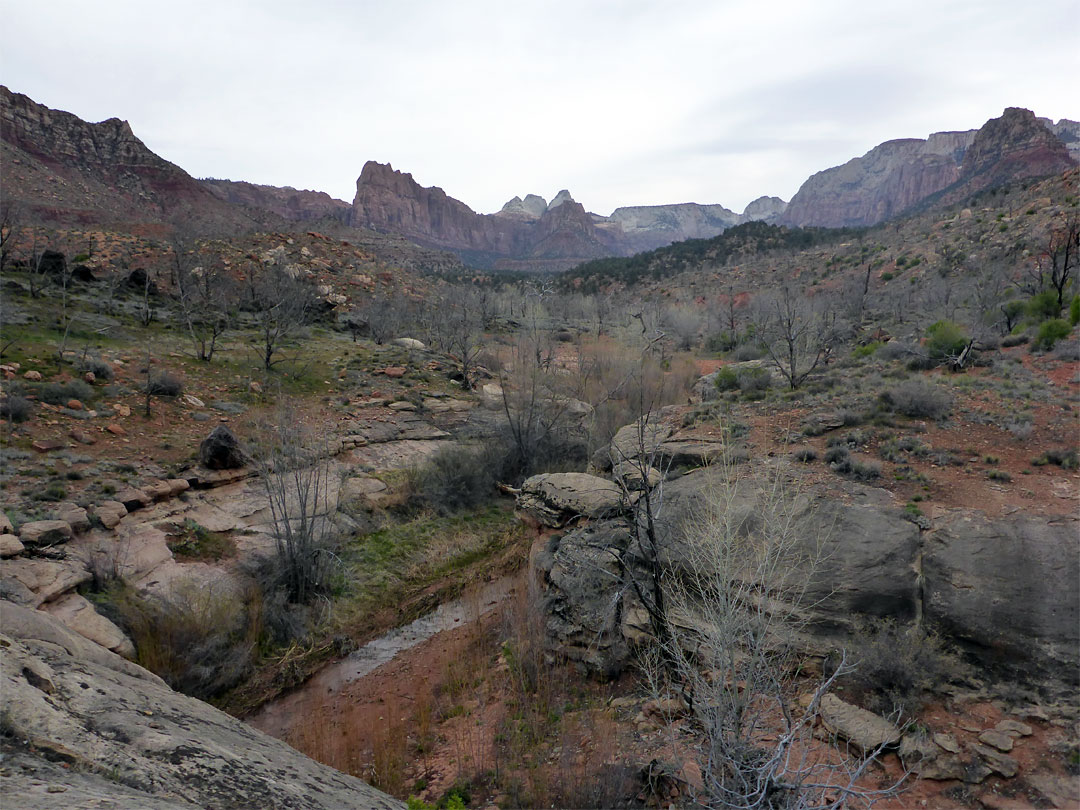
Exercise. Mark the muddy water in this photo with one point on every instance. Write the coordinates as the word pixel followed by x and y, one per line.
pixel 337 682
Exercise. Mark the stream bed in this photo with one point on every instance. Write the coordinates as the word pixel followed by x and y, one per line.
pixel 337 681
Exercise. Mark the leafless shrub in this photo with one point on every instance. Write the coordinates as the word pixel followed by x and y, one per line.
pixel 295 470
pixel 735 604
pixel 918 398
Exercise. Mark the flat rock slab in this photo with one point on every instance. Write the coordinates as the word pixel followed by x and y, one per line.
pixel 998 739
pixel 78 614
pixel 393 427
pixel 553 499
pixel 41 533
pixel 863 729
pixel 999 763
pixel 155 744
pixel 947 742
pixel 1014 728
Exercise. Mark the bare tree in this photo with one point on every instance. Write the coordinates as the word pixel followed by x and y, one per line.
pixel 457 328
pixel 206 296
pixel 1057 265
pixel 735 605
pixel 798 333
pixel 683 323
pixel 282 305
pixel 296 473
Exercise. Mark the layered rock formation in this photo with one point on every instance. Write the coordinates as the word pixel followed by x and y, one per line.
pixel 664 224
pixel 530 232
pixel 62 169
pixel 562 235
pixel 897 175
pixel 286 202
pixel 1013 147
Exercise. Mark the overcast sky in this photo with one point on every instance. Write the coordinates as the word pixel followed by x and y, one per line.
pixel 624 103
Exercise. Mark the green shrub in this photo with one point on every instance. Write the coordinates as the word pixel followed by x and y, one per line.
pixel 60 393
pixel 1050 332
pixel 1066 458
pixel 195 542
pixel 53 491
pixel 1074 310
pixel 16 408
pixel 945 339
pixel 1014 340
pixel 1043 305
pixel 165 384
pixel 866 349
pixel 726 379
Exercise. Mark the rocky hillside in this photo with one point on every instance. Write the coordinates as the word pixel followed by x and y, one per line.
pixel 62 170
pixel 897 175
pixel 287 202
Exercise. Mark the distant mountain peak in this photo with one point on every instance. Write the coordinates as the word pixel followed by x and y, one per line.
pixel 560 198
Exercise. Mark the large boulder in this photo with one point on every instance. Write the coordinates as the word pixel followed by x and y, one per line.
pixel 865 554
pixel 32 581
pixel 1007 588
pixel 221 450
pixel 865 730
pixel 583 605
pixel 864 550
pixel 555 499
pixel 42 533
pixel 127 740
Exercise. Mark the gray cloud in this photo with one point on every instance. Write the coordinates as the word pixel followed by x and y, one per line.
pixel 622 102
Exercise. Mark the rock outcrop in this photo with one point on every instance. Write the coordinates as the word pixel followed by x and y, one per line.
pixel 86 728
pixel 220 451
pixel 764 209
pixel 948 166
pixel 652 226
pixel 555 499
pixel 562 235
pixel 1005 590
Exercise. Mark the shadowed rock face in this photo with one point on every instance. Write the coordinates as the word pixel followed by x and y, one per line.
pixel 130 741
pixel 897 175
